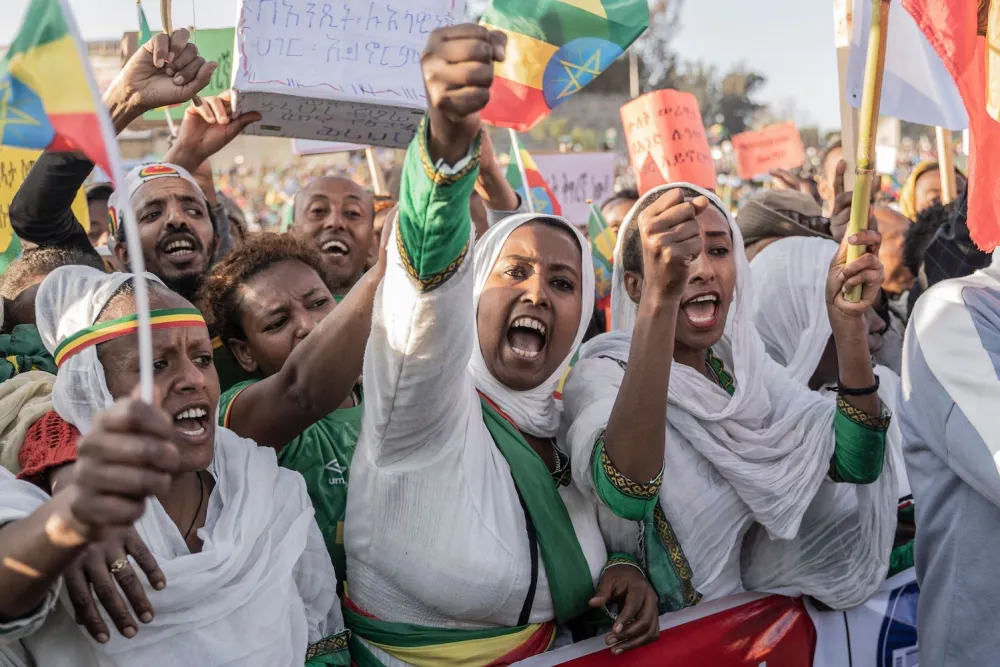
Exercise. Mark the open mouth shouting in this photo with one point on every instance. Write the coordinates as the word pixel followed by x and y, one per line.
pixel 180 248
pixel 702 310
pixel 193 423
pixel 526 337
pixel 335 248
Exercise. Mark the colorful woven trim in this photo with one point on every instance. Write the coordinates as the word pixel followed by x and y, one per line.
pixel 105 331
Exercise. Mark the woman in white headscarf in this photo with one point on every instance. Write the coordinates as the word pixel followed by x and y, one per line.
pixel 765 485
pixel 248 577
pixel 467 541
pixel 793 323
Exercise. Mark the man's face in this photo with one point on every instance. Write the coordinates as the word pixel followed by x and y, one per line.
pixel 336 215
pixel 178 240
pixel 98 211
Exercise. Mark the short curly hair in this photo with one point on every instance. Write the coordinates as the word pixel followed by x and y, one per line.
pixel 38 262
pixel 219 296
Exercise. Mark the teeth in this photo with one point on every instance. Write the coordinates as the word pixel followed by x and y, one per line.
pixel 181 245
pixel 527 354
pixel 707 297
pixel 529 323
pixel 195 433
pixel 336 246
pixel 192 413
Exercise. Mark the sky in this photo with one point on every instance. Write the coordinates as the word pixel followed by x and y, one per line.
pixel 788 41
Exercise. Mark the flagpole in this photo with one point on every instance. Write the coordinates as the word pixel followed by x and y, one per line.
pixel 378 181
pixel 864 170
pixel 168 27
pixel 520 168
pixel 132 242
pixel 946 165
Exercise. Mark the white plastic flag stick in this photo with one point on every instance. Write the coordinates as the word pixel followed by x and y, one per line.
pixel 520 168
pixel 132 243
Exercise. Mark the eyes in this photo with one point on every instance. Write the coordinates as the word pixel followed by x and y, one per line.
pixel 200 359
pixel 279 322
pixel 154 213
pixel 518 272
pixel 320 211
pixel 719 251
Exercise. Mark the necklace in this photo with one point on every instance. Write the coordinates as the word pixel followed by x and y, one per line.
pixel 201 501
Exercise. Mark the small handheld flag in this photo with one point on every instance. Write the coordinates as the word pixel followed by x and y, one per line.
pixel 602 250
pixel 528 182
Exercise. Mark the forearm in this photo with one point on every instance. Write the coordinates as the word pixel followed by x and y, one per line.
pixel 855 365
pixel 30 562
pixel 121 109
pixel 41 212
pixel 496 192
pixel 634 439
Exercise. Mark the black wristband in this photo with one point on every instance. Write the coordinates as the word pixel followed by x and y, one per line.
pixel 867 391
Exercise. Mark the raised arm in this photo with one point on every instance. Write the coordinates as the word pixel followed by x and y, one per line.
pixel 418 393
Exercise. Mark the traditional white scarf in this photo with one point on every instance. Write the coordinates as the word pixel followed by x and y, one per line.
pixel 771 442
pixel 795 327
pixel 535 411
pixel 242 598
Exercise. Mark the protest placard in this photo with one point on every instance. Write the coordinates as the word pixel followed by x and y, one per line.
pixel 15 163
pixel 215 45
pixel 667 141
pixel 312 147
pixel 344 71
pixel 760 151
pixel 576 178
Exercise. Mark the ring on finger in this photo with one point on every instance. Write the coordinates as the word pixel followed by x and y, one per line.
pixel 119 565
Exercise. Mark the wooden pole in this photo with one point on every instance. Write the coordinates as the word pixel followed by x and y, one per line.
pixel 946 165
pixel 168 27
pixel 633 73
pixel 378 179
pixel 843 19
pixel 871 96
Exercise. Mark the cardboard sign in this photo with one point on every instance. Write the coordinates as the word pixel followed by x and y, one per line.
pixel 576 178
pixel 214 46
pixel 346 71
pixel 775 147
pixel 666 140
pixel 15 163
pixel 310 147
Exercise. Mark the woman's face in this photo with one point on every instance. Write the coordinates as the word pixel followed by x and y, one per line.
pixel 708 296
pixel 279 307
pixel 530 308
pixel 183 373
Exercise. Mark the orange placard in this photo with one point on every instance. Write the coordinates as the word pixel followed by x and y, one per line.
pixel 775 147
pixel 666 140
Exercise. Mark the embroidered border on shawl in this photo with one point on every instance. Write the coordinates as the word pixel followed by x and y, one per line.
pixel 680 562
pixel 563 474
pixel 435 176
pixel 331 644
pixel 436 280
pixel 862 418
pixel 624 484
pixel 722 376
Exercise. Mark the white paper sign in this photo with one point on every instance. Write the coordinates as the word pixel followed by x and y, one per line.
pixel 577 177
pixel 310 147
pixel 345 70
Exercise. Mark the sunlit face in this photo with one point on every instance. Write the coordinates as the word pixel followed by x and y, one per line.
pixel 176 232
pixel 705 302
pixel 279 307
pixel 184 375
pixel 615 212
pixel 99 227
pixel 530 308
pixel 336 215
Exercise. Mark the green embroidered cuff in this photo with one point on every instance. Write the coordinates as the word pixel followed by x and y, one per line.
pixel 859 451
pixel 627 499
pixel 330 652
pixel 622 559
pixel 434 223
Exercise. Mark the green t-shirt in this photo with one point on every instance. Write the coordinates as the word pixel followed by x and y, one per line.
pixel 322 455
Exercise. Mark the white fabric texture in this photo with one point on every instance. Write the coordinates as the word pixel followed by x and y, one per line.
pixel 262 588
pixel 535 411
pixel 795 327
pixel 24 399
pixel 752 465
pixel 437 489
pixel 120 204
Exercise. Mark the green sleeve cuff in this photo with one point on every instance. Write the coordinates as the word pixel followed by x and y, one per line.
pixel 618 558
pixel 330 652
pixel 859 449
pixel 901 558
pixel 434 222
pixel 627 499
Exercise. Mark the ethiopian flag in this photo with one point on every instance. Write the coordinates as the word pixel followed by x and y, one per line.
pixel 145 34
pixel 543 200
pixel 602 251
pixel 48 99
pixel 555 48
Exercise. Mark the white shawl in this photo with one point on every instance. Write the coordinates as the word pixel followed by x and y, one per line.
pixel 769 446
pixel 262 588
pixel 795 327
pixel 535 411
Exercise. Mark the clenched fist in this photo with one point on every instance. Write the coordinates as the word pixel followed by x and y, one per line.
pixel 671 242
pixel 458 71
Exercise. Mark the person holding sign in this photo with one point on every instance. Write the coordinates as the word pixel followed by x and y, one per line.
pixel 465 540
pixel 767 484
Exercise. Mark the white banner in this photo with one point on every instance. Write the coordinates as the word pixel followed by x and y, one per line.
pixel 313 147
pixel 577 177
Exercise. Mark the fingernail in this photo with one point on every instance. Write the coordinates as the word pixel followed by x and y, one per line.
pixel 853 240
pixel 618 628
pixel 617 651
pixel 146 617
pixel 102 638
pixel 170 56
pixel 179 80
pixel 159 585
pixel 129 632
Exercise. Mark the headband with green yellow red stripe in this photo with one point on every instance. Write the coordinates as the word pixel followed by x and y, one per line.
pixel 99 333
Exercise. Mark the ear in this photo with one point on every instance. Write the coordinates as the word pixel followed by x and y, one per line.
pixel 121 254
pixel 241 351
pixel 633 286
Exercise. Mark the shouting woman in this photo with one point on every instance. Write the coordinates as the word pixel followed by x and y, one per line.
pixel 765 484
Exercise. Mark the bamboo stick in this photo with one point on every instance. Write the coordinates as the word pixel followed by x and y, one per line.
pixel 168 27
pixel 864 171
pixel 946 165
pixel 378 180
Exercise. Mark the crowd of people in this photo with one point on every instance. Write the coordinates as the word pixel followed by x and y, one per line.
pixel 356 453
